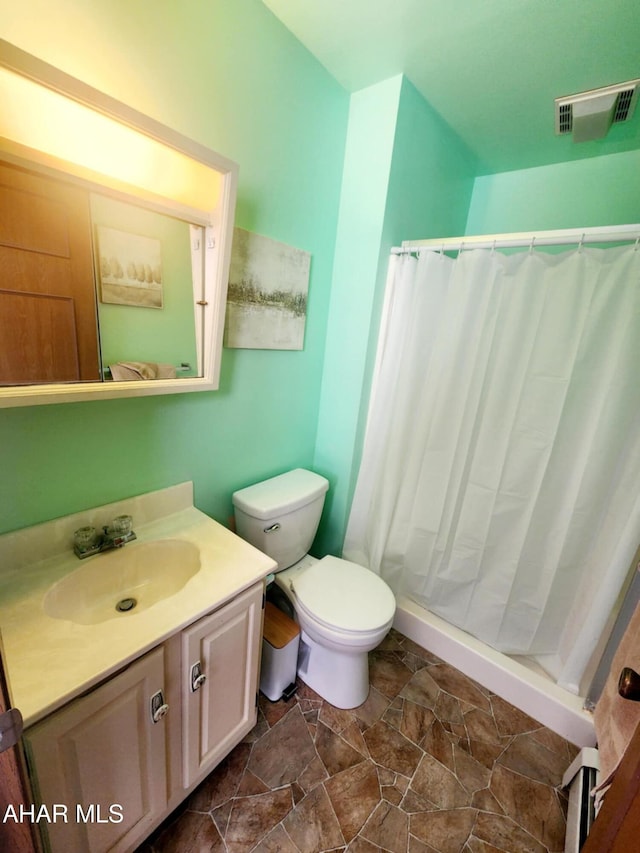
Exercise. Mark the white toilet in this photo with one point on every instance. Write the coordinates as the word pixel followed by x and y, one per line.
pixel 343 609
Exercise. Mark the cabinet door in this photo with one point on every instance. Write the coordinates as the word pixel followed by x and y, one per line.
pixel 100 763
pixel 222 709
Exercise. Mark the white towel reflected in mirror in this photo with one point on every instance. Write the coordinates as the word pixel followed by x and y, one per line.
pixel 128 370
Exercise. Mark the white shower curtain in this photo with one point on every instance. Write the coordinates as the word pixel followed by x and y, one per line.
pixel 499 484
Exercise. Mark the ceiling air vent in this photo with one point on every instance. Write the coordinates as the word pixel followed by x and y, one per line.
pixel 623 105
pixel 589 115
pixel 564 118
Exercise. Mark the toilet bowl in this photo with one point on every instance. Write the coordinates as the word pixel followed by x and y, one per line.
pixel 344 610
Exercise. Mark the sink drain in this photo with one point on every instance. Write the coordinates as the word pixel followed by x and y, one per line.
pixel 126 604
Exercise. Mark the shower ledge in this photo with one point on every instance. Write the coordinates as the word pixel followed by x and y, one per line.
pixel 530 691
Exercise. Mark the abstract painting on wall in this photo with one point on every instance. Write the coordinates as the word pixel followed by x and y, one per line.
pixel 267 295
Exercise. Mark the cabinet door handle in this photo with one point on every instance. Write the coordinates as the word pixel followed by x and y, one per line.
pixel 159 707
pixel 198 678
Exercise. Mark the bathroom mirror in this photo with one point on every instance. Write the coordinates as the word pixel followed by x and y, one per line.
pixel 136 222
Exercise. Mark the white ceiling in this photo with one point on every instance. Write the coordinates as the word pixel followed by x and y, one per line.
pixel 491 68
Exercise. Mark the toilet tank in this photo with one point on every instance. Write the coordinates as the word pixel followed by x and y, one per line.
pixel 280 516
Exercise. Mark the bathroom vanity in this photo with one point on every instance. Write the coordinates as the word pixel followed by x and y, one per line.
pixel 126 713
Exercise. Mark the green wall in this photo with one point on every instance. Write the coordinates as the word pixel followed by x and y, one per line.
pixel 430 190
pixel 591 192
pixel 406 175
pixel 367 164
pixel 342 178
pixel 232 77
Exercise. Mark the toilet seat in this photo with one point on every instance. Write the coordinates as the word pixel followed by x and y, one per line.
pixel 345 596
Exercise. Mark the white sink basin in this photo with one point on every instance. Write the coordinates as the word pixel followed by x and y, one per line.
pixel 122 582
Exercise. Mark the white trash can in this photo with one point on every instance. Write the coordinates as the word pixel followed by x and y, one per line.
pixel 280 641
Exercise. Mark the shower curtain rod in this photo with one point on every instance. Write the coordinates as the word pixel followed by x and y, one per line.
pixel 605 234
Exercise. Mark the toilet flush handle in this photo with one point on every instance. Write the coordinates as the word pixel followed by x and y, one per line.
pixel 273 528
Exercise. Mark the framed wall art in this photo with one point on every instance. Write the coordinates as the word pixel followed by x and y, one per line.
pixel 129 268
pixel 267 295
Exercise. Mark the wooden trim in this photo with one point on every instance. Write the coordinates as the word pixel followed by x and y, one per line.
pixel 14 789
pixel 617 826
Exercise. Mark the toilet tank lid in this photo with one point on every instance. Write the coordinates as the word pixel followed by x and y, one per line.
pixel 280 494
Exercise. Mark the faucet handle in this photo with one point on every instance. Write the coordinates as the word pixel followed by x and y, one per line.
pixel 122 525
pixel 86 541
pixel 85 538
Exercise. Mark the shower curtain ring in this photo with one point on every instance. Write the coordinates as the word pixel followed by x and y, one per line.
pixel 635 248
pixel 442 252
pixel 581 242
pixel 533 240
pixel 493 248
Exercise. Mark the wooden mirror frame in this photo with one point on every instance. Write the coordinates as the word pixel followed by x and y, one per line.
pixel 217 221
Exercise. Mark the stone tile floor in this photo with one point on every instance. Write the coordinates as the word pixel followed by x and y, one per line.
pixel 431 762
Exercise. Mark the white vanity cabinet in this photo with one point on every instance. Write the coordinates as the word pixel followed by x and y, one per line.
pixel 105 754
pixel 220 662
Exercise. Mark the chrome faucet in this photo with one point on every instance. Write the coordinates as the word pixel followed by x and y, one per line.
pixel 87 541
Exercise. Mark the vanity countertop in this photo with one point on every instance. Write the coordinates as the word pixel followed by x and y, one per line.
pixel 51 660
